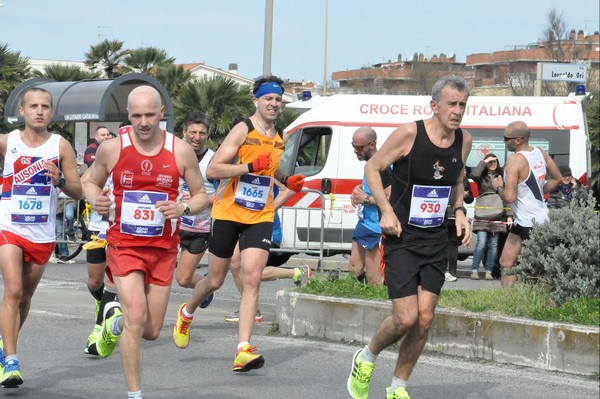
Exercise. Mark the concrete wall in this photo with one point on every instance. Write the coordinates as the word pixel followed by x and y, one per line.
pixel 548 346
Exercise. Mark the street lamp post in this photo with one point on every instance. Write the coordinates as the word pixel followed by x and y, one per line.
pixel 268 37
pixel 325 51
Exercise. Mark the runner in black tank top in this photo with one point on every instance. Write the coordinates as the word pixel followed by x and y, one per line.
pixel 427 158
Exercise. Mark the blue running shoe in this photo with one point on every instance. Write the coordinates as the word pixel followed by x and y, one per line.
pixel 209 299
pixel 12 376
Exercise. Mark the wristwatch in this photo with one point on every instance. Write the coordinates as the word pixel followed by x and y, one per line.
pixel 461 208
pixel 366 201
pixel 186 208
pixel 61 182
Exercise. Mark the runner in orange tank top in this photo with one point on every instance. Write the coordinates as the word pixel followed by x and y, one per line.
pixel 246 164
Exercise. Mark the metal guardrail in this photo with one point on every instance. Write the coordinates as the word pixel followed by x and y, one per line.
pixel 304 246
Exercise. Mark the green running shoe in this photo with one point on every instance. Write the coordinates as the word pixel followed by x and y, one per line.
pixel 399 393
pixel 360 377
pixel 106 342
pixel 90 345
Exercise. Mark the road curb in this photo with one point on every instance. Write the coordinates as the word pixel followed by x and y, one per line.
pixel 543 345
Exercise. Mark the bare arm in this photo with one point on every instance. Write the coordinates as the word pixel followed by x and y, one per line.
pixel 463 227
pixel 397 145
pixel 220 167
pixel 3 141
pixel 552 183
pixel 68 166
pixel 190 171
pixel 93 187
pixel 284 195
pixel 507 189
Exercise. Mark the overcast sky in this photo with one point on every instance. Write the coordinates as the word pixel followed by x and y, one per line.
pixel 219 32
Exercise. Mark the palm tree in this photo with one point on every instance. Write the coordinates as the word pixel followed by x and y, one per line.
pixel 173 77
pixel 107 54
pixel 147 59
pixel 14 69
pixel 66 73
pixel 224 101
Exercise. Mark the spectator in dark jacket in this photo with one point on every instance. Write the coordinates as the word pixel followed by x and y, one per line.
pixel 102 134
pixel 487 231
pixel 570 188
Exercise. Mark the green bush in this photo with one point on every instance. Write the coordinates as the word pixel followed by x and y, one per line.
pixel 563 254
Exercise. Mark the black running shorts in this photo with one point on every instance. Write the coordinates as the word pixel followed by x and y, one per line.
pixel 411 265
pixel 224 234
pixel 96 255
pixel 193 242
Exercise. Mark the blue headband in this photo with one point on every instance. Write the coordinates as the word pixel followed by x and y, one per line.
pixel 268 88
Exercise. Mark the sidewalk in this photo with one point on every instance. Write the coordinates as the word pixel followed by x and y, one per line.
pixel 544 345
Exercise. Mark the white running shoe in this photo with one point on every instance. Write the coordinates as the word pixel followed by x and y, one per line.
pixel 449 277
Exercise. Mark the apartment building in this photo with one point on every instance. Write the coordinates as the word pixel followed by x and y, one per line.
pixel 490 73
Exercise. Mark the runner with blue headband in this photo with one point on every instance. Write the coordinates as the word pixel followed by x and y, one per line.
pixel 246 164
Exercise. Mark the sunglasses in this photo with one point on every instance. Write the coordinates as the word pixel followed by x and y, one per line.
pixel 507 139
pixel 360 147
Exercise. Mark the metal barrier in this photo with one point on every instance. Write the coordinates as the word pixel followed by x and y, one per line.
pixel 308 217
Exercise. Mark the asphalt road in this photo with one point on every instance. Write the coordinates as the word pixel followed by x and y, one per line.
pixel 54 365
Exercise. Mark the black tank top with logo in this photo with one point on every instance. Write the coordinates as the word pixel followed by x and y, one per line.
pixel 422 177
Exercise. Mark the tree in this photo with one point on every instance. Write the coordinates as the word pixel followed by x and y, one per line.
pixel 147 59
pixel 108 55
pixel 555 34
pixel 224 101
pixel 593 119
pixel 173 77
pixel 66 73
pixel 560 47
pixel 14 69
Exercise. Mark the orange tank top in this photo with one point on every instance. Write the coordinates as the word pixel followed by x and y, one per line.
pixel 248 198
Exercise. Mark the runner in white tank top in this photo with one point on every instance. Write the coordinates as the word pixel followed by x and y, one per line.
pixel 530 207
pixel 37 165
pixel 528 175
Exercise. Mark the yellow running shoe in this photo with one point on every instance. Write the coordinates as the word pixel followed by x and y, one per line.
pixel 106 342
pixel 181 329
pixel 246 360
pixel 399 393
pixel 90 344
pixel 1 356
pixel 360 377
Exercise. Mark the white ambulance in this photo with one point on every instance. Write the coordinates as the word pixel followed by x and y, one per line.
pixel 319 147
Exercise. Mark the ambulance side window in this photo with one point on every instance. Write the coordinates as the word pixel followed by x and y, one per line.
pixel 311 150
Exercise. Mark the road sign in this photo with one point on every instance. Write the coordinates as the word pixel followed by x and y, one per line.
pixel 564 72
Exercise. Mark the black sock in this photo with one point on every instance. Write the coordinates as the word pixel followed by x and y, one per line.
pixel 98 293
pixel 106 298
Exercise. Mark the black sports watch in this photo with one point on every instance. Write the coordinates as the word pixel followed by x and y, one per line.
pixel 461 208
pixel 61 182
pixel 367 201
pixel 186 208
